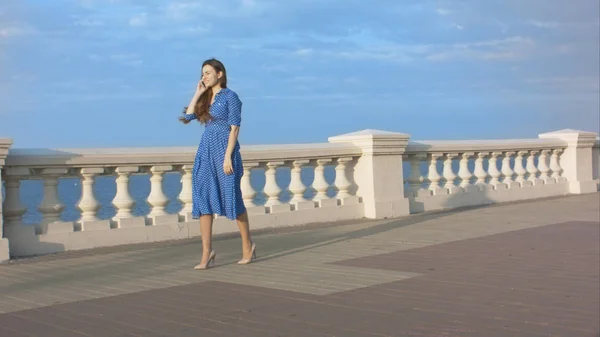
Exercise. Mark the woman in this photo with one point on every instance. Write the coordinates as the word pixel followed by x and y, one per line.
pixel 218 166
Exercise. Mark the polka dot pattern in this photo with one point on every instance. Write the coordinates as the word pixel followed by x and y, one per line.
pixel 213 191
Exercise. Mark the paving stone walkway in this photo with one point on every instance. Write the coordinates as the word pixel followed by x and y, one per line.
pixel 522 269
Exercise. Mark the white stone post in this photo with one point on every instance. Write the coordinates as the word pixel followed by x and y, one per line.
pixel 596 162
pixel 576 160
pixel 157 197
pixel 378 171
pixel 297 187
pixel 5 144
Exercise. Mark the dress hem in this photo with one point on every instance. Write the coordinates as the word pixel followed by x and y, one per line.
pixel 196 217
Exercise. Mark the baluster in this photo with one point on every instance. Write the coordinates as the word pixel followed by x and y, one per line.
pixel 463 171
pixel 186 196
pixel 494 172
pixel 532 169
pixel 507 171
pixel 415 179
pixel 320 184
pixel 479 172
pixel 157 197
pixel 271 188
pixel 544 168
pixel 248 192
pixel 51 207
pixel 88 204
pixel 433 176
pixel 555 166
pixel 342 183
pixel 520 170
pixel 449 175
pixel 297 187
pixel 13 208
pixel 123 202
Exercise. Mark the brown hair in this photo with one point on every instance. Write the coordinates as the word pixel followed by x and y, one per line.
pixel 201 110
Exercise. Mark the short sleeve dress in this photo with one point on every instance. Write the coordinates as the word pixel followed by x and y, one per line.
pixel 213 191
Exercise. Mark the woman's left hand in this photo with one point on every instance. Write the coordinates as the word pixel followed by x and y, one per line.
pixel 227 168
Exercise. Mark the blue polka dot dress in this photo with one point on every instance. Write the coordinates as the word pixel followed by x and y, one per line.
pixel 213 191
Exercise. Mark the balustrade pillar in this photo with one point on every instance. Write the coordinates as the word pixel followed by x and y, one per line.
pixel 494 172
pixel 185 196
pixel 479 171
pixel 507 172
pixel 555 165
pixel 51 207
pixel 449 175
pixel 463 172
pixel 297 187
pixel 272 189
pixel 544 168
pixel 320 184
pixel 157 197
pixel 248 191
pixel 415 179
pixel 532 170
pixel 520 169
pixel 123 202
pixel 13 209
pixel 433 176
pixel 342 183
pixel 88 204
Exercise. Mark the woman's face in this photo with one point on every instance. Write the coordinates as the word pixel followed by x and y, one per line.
pixel 210 77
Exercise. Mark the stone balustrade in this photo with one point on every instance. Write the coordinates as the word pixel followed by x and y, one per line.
pixel 121 195
pixel 447 174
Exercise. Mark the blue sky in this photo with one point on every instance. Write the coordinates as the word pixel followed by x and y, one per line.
pixel 115 73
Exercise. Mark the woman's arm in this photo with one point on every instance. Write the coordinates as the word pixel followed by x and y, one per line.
pixel 192 105
pixel 235 119
pixel 233 137
pixel 188 114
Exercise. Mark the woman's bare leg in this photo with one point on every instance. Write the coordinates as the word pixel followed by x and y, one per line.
pixel 206 222
pixel 244 227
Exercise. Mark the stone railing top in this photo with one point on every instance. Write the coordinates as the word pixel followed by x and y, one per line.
pixel 483 145
pixel 143 156
pixel 5 144
pixel 375 142
pixel 574 138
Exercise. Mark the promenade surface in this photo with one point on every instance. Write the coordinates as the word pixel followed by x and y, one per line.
pixel 521 269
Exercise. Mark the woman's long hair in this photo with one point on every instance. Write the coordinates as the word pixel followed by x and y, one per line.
pixel 201 110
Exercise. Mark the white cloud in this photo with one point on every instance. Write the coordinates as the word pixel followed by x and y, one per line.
pixel 89 22
pixel 95 57
pixel 304 51
pixel 508 49
pixel 16 30
pixel 248 3
pixel 24 77
pixel 200 29
pixel 182 10
pixel 444 11
pixel 543 24
pixel 127 59
pixel 139 20
pixel 567 82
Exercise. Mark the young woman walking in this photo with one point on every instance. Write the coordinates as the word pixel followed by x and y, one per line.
pixel 218 169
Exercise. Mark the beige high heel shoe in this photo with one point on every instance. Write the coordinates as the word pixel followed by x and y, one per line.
pixel 211 258
pixel 252 257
